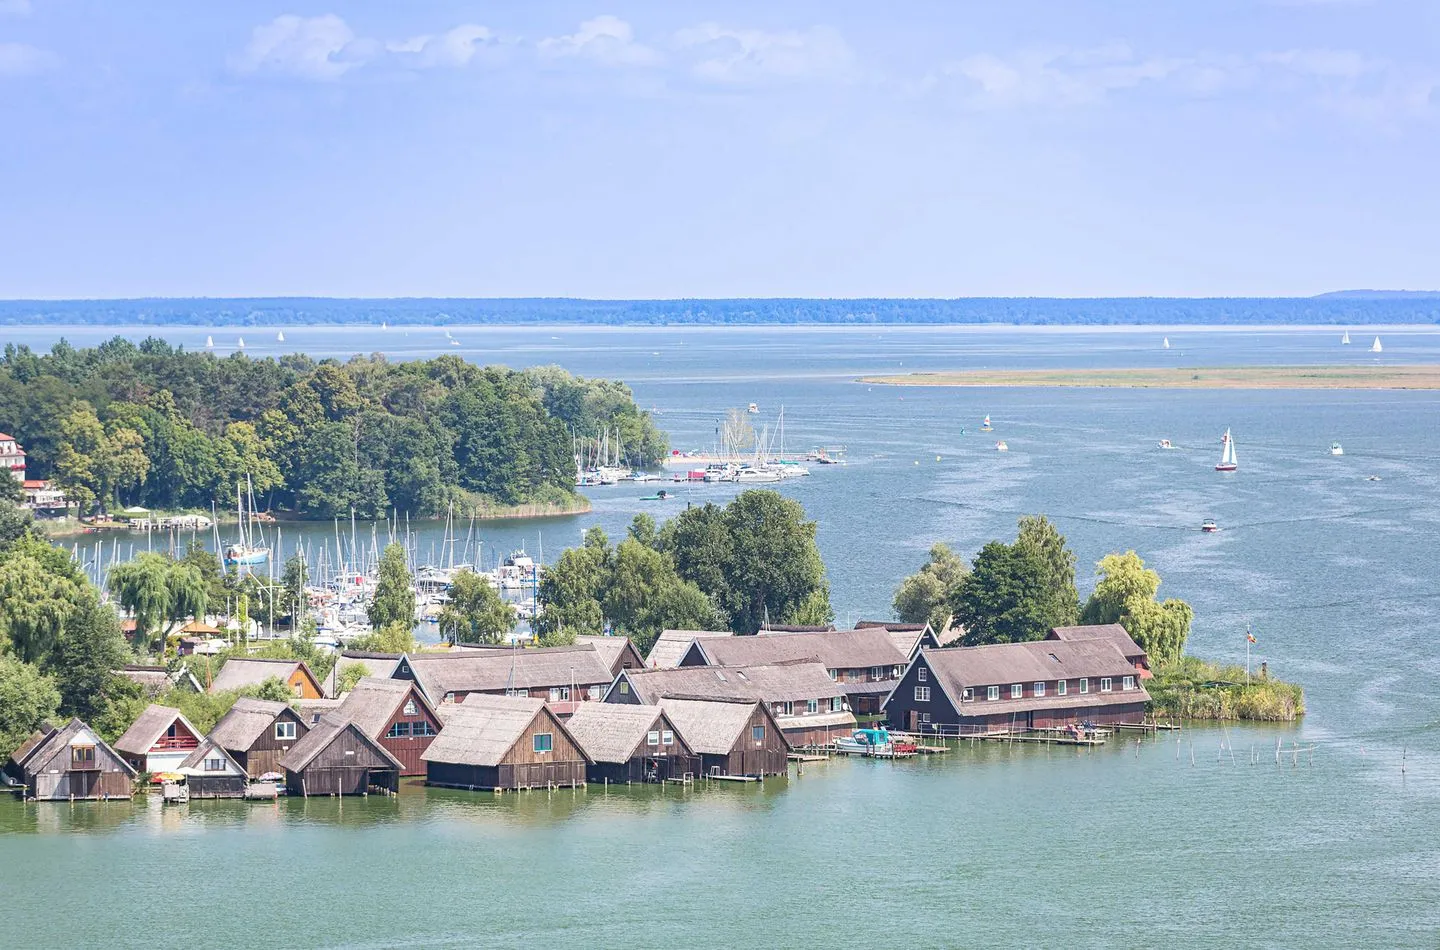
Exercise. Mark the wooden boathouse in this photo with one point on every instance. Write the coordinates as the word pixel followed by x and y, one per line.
pixel 631 744
pixel 336 757
pixel 159 740
pixel 502 742
pixel 258 732
pixel 211 772
pixel 734 737
pixel 69 764
pixel 396 714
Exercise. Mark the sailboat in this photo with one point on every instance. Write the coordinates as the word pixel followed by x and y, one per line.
pixel 241 344
pixel 280 337
pixel 1345 340
pixel 210 342
pixel 1228 461
pixel 1376 347
pixel 245 551
pixel 986 426
pixel 1166 343
pixel 384 325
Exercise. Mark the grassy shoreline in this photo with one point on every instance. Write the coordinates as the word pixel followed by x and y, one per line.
pixel 1241 377
pixel 1195 689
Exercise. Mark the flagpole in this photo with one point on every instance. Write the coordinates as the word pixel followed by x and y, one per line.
pixel 1247 654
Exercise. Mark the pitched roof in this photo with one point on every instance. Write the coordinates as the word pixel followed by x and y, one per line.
pixel 373 703
pixel 1113 632
pixel 836 649
pixel 52 745
pixel 28 747
pixel 145 731
pixel 710 727
pixel 208 748
pixel 671 645
pixel 783 628
pixel 319 738
pixel 610 649
pixel 245 722
pixel 502 668
pixel 956 668
pixel 789 682
pixel 611 732
pixel 240 672
pixel 482 729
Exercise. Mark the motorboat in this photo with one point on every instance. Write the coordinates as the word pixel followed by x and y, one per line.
pixel 1209 526
pixel 876 742
pixel 1336 449
pixel 752 408
pixel 1001 446
pixel 1165 444
pixel 661 495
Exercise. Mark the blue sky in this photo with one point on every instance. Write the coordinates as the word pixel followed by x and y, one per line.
pixel 707 149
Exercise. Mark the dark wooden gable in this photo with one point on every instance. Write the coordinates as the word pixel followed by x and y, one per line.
pixel 562 747
pixel 902 699
pixel 625 695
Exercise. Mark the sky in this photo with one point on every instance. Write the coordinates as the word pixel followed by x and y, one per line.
pixel 922 148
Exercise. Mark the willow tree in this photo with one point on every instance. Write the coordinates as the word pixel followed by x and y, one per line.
pixel 158 592
pixel 1126 594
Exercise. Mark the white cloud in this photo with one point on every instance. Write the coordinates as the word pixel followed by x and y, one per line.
pixel 455 47
pixel 605 39
pixel 747 56
pixel 19 59
pixel 1055 77
pixel 320 47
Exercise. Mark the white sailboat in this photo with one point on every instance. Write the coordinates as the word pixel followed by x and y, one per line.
pixel 210 342
pixel 384 325
pixel 1166 343
pixel 241 344
pixel 245 551
pixel 1376 347
pixel 280 337
pixel 1345 340
pixel 1228 460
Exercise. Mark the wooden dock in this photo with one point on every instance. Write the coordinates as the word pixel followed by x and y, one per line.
pixel 1044 738
pixel 807 757
pixel 1148 726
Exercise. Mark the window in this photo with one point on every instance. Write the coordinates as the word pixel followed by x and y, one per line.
pixel 812 706
pixel 875 673
pixel 837 704
pixel 1060 687
pixel 1017 691
pixel 82 755
pixel 895 672
pixel 624 687
pixel 1084 684
pixel 594 692
pixel 757 733
pixel 409 707
pixel 559 693
pixel 922 694
pixel 449 697
pixel 1104 684
pixel 787 708
pixel 967 694
pixel 652 738
pixel 667 737
pixel 284 730
pixel 543 741
pixel 1128 683
pixel 834 674
pixel 922 674
pixel 421 729
pixel 299 689
pixel 214 765
pixel 992 692
pixel 398 730
pixel 1039 689
pixel 924 717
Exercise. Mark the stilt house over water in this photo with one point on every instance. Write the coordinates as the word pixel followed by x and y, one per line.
pixel 502 742
pixel 732 737
pixel 258 732
pixel 336 757
pixel 627 744
pixel 158 741
pixel 211 772
pixel 396 714
pixel 70 763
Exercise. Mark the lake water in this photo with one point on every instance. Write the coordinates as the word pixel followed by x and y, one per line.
pixel 1128 845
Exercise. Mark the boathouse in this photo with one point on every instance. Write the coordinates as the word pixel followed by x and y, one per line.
pixel 336 757
pixel 257 732
pixel 617 652
pixel 502 742
pixel 1016 687
pixel 1134 654
pixel 561 676
pixel 671 645
pixel 381 665
pixel 70 763
pixel 396 714
pixel 158 680
pixel 627 744
pixel 909 638
pixel 807 704
pixel 159 740
pixel 243 672
pixel 733 737
pixel 211 772
pixel 864 661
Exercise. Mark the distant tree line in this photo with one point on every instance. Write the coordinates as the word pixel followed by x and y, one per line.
pixel 153 425
pixel 1343 308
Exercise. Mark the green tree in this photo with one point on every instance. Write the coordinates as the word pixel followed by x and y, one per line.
pixel 1040 537
pixel 15 523
pixel 349 676
pixel 475 613
pixel 773 568
pixel 644 595
pixel 924 597
pixel 95 462
pixel 158 592
pixel 35 599
pixel 396 637
pixel 291 597
pixel 394 596
pixel 1003 599
pixel 86 657
pixel 571 588
pixel 1125 594
pixel 27 698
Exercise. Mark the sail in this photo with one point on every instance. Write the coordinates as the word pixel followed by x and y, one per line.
pixel 1227 454
pixel 280 337
pixel 209 341
pixel 1346 338
pixel 1167 343
pixel 1376 347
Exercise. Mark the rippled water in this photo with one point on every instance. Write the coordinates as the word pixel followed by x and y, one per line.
pixel 1129 845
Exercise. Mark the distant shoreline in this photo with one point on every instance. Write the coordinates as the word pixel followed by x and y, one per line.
pixel 1245 377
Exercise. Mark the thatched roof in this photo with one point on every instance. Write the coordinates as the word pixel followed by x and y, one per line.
pixel 245 722
pixel 155 680
pixel 494 670
pixel 28 747
pixel 1113 632
pixel 783 628
pixel 147 730
pixel 328 730
pixel 53 752
pixel 374 664
pixel 373 703
pixel 790 682
pixel 613 732
pixel 671 645
pixel 482 729
pixel 710 727
pixel 240 672
pixel 835 650
pixel 612 650
pixel 1004 664
pixel 208 748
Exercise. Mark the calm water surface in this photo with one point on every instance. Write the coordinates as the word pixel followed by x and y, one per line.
pixel 1130 845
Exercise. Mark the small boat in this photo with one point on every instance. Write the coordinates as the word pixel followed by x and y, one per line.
pixel 1335 449
pixel 384 325
pixel 209 342
pixel 873 742
pixel 1165 444
pixel 752 408
pixel 1372 478
pixel 1228 460
pixel 1345 340
pixel 1209 526
pixel 986 426
pixel 1376 347
pixel 241 344
pixel 1001 446
pixel 175 793
pixel 280 337
pixel 454 342
pixel 661 495
pixel 1166 343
